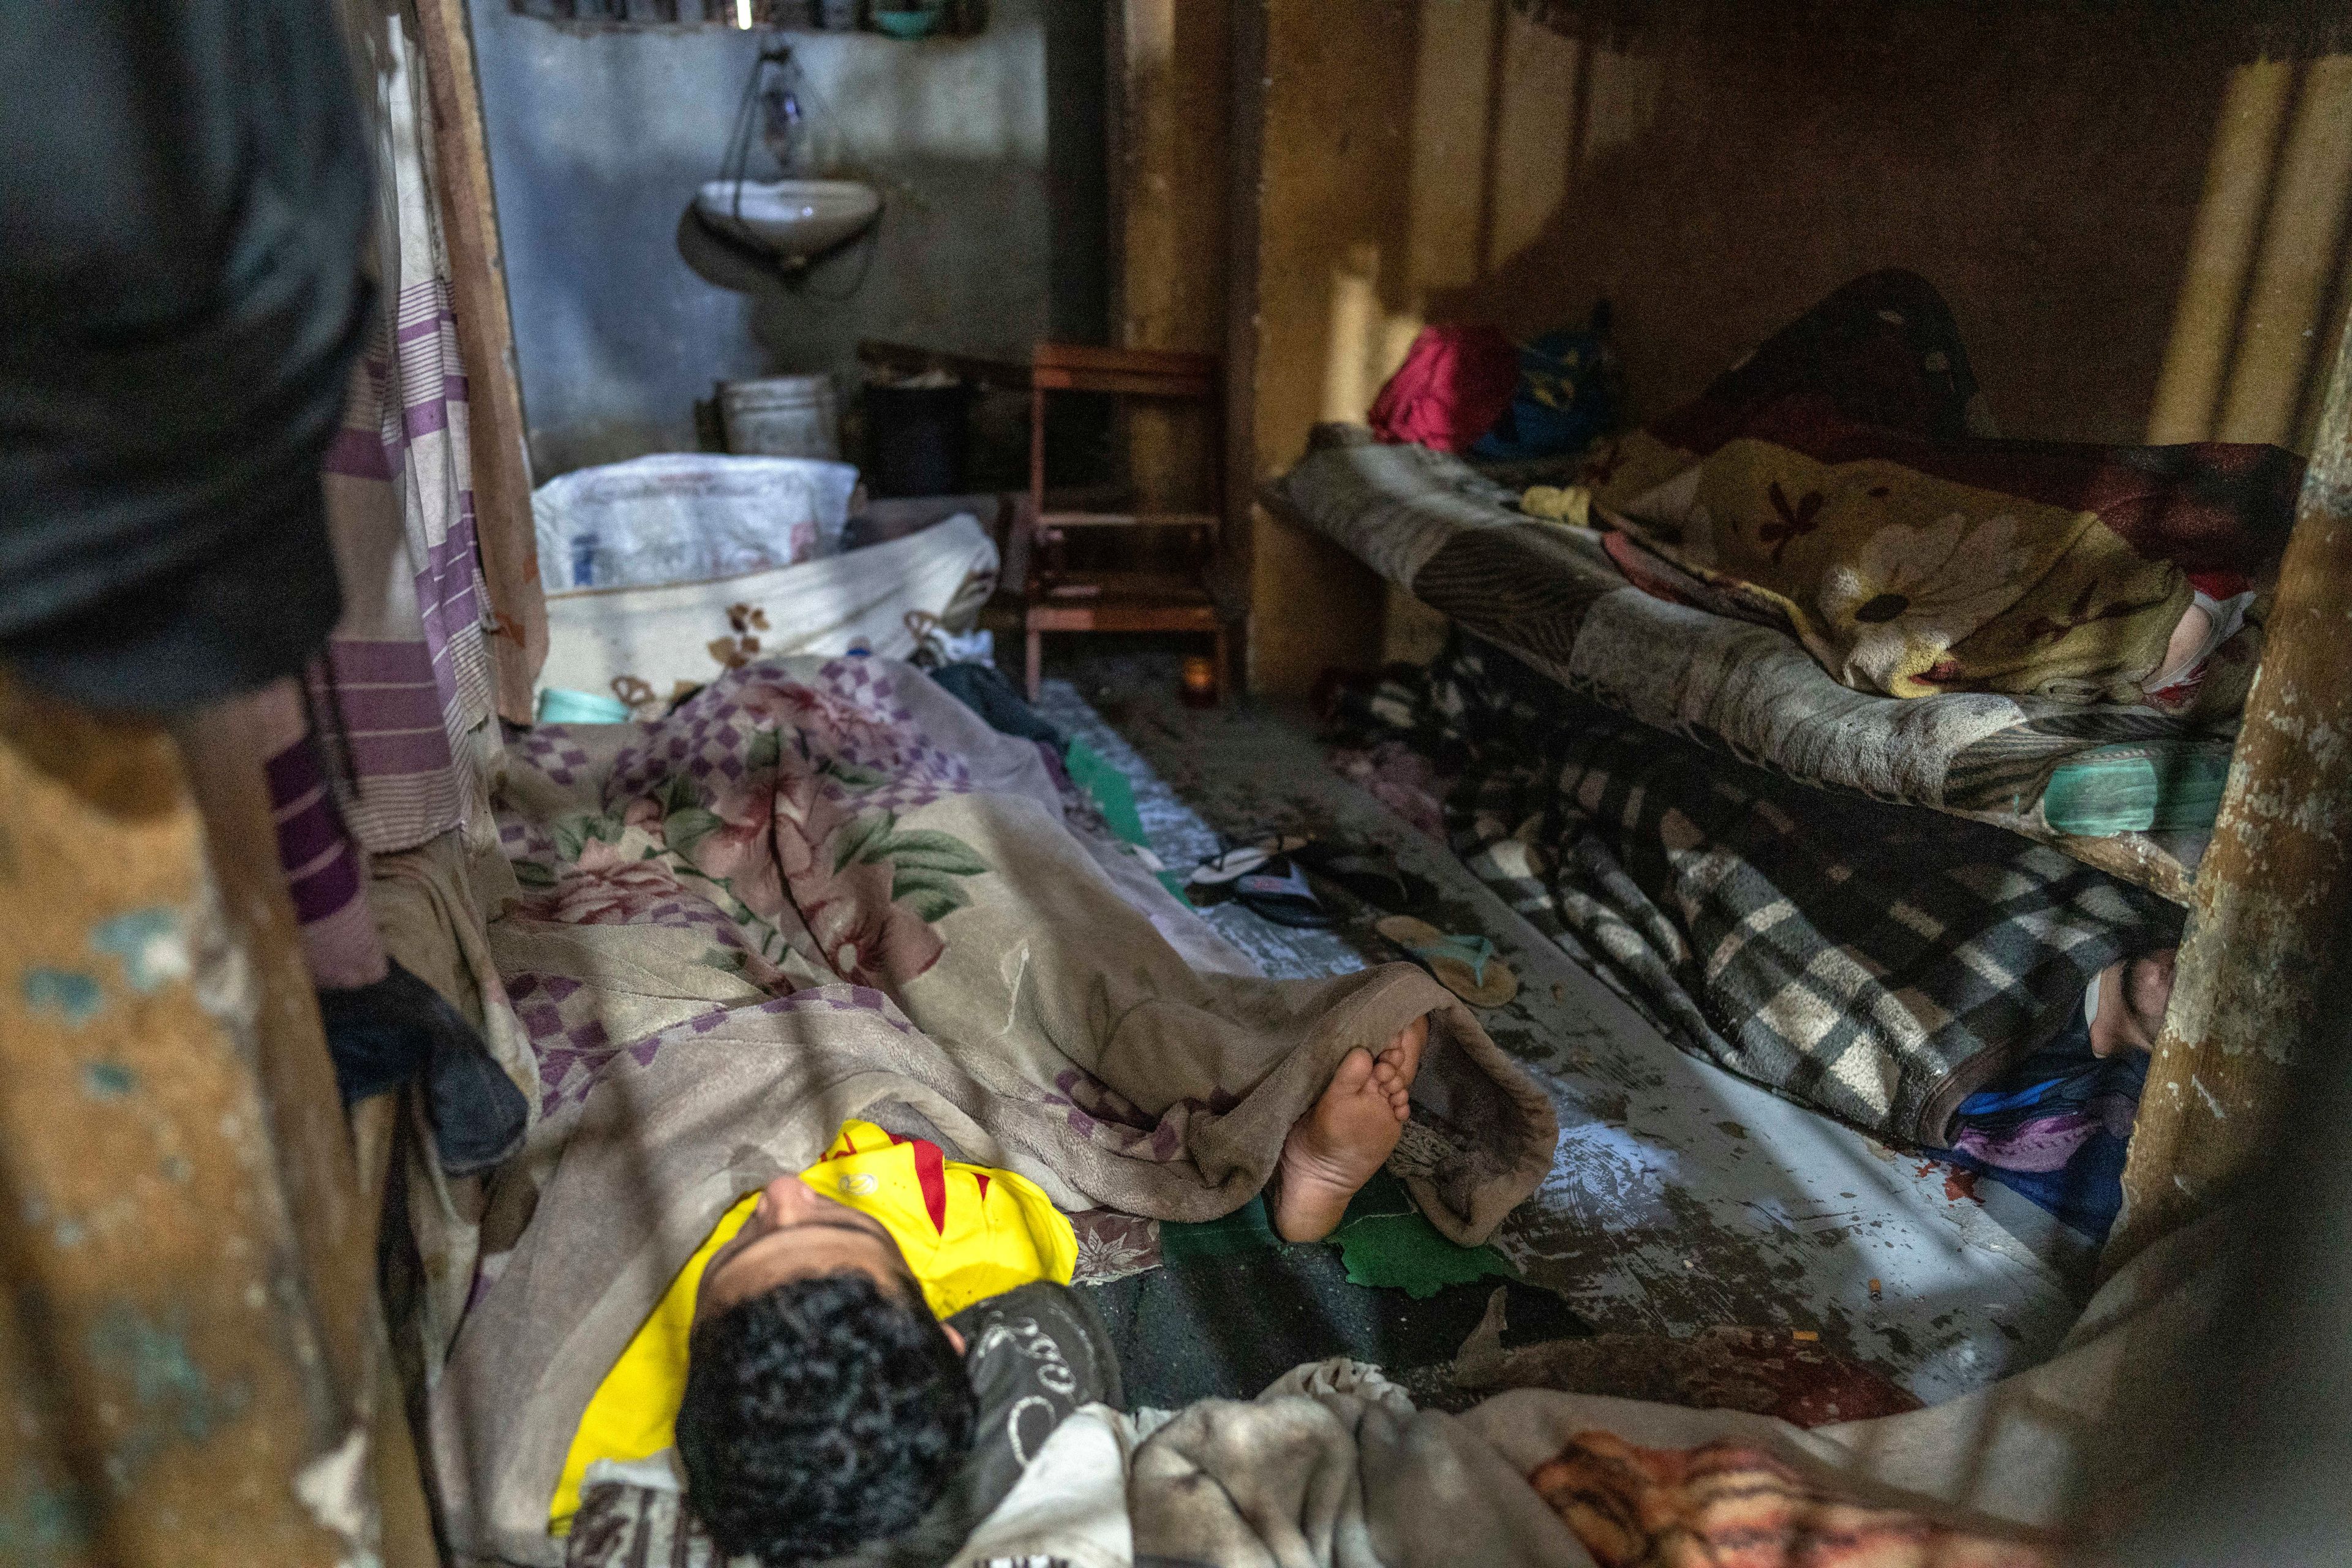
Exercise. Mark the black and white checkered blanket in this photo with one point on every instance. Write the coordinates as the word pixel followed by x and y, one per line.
pixel 1878 961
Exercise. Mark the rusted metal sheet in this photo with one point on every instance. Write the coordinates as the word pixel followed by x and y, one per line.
pixel 188 1336
pixel 2272 890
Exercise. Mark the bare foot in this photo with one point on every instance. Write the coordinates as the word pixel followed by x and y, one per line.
pixel 1334 1149
pixel 2132 995
pixel 1399 1063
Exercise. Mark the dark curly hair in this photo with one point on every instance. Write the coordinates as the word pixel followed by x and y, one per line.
pixel 819 1415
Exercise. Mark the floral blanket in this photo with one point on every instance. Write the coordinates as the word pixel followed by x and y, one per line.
pixel 1689 624
pixel 1726 1505
pixel 825 888
pixel 1832 479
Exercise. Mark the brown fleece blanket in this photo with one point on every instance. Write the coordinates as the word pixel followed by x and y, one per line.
pixel 825 889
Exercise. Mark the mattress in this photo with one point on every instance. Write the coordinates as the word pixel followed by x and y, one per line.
pixel 1549 594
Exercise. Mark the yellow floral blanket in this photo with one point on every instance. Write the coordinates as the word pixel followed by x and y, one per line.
pixel 1832 481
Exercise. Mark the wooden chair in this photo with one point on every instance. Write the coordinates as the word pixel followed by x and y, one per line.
pixel 1096 600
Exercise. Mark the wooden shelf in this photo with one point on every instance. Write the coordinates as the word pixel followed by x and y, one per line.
pixel 1128 520
pixel 1062 600
pixel 1076 589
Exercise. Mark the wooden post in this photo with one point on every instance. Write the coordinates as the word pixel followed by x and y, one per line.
pixel 501 462
pixel 1170 70
pixel 189 1351
pixel 2276 885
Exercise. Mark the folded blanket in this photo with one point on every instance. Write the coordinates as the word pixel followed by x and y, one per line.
pixel 646 645
pixel 1831 477
pixel 822 890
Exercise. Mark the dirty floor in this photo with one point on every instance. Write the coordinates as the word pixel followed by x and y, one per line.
pixel 1682 1200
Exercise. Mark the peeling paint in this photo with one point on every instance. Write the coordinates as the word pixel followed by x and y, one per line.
pixel 108 1081
pixel 2211 1104
pixel 334 1490
pixel 71 994
pixel 41 1523
pixel 175 1399
pixel 152 946
pixel 227 986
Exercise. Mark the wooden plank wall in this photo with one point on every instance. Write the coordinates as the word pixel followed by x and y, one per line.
pixel 1169 176
pixel 1436 160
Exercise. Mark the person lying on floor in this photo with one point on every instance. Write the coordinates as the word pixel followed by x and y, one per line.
pixel 806 1361
pixel 824 891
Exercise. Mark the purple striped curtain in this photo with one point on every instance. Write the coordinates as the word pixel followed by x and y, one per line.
pixel 407 670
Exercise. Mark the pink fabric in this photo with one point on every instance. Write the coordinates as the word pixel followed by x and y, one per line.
pixel 1455 382
pixel 2043 1145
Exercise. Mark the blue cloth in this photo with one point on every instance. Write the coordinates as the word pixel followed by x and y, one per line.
pixel 2060 1091
pixel 1563 401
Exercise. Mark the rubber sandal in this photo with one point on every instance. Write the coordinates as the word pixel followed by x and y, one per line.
pixel 1242 859
pixel 1465 965
pixel 1367 872
pixel 1278 892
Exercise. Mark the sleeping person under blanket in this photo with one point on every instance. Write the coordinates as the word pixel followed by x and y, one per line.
pixel 802 1361
pixel 824 893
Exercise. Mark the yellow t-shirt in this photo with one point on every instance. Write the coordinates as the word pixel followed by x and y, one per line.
pixel 968 1233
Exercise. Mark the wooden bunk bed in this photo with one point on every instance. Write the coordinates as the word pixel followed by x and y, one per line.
pixel 2258 887
pixel 2014 648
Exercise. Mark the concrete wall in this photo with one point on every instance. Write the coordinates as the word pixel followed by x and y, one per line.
pixel 2042 170
pixel 1170 186
pixel 988 152
pixel 1449 159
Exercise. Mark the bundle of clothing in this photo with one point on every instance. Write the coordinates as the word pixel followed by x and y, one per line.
pixel 1919 978
pixel 1467 388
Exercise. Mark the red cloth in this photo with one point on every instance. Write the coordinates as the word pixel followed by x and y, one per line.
pixel 1455 382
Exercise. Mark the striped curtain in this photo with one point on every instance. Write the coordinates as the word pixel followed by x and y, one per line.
pixel 407 676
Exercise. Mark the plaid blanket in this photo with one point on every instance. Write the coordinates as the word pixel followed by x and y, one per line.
pixel 1878 963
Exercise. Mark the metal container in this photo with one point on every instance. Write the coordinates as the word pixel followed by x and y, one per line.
pixel 782 416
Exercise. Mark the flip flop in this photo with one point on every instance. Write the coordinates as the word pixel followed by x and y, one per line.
pixel 1241 859
pixel 1278 892
pixel 1465 965
pixel 1365 871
